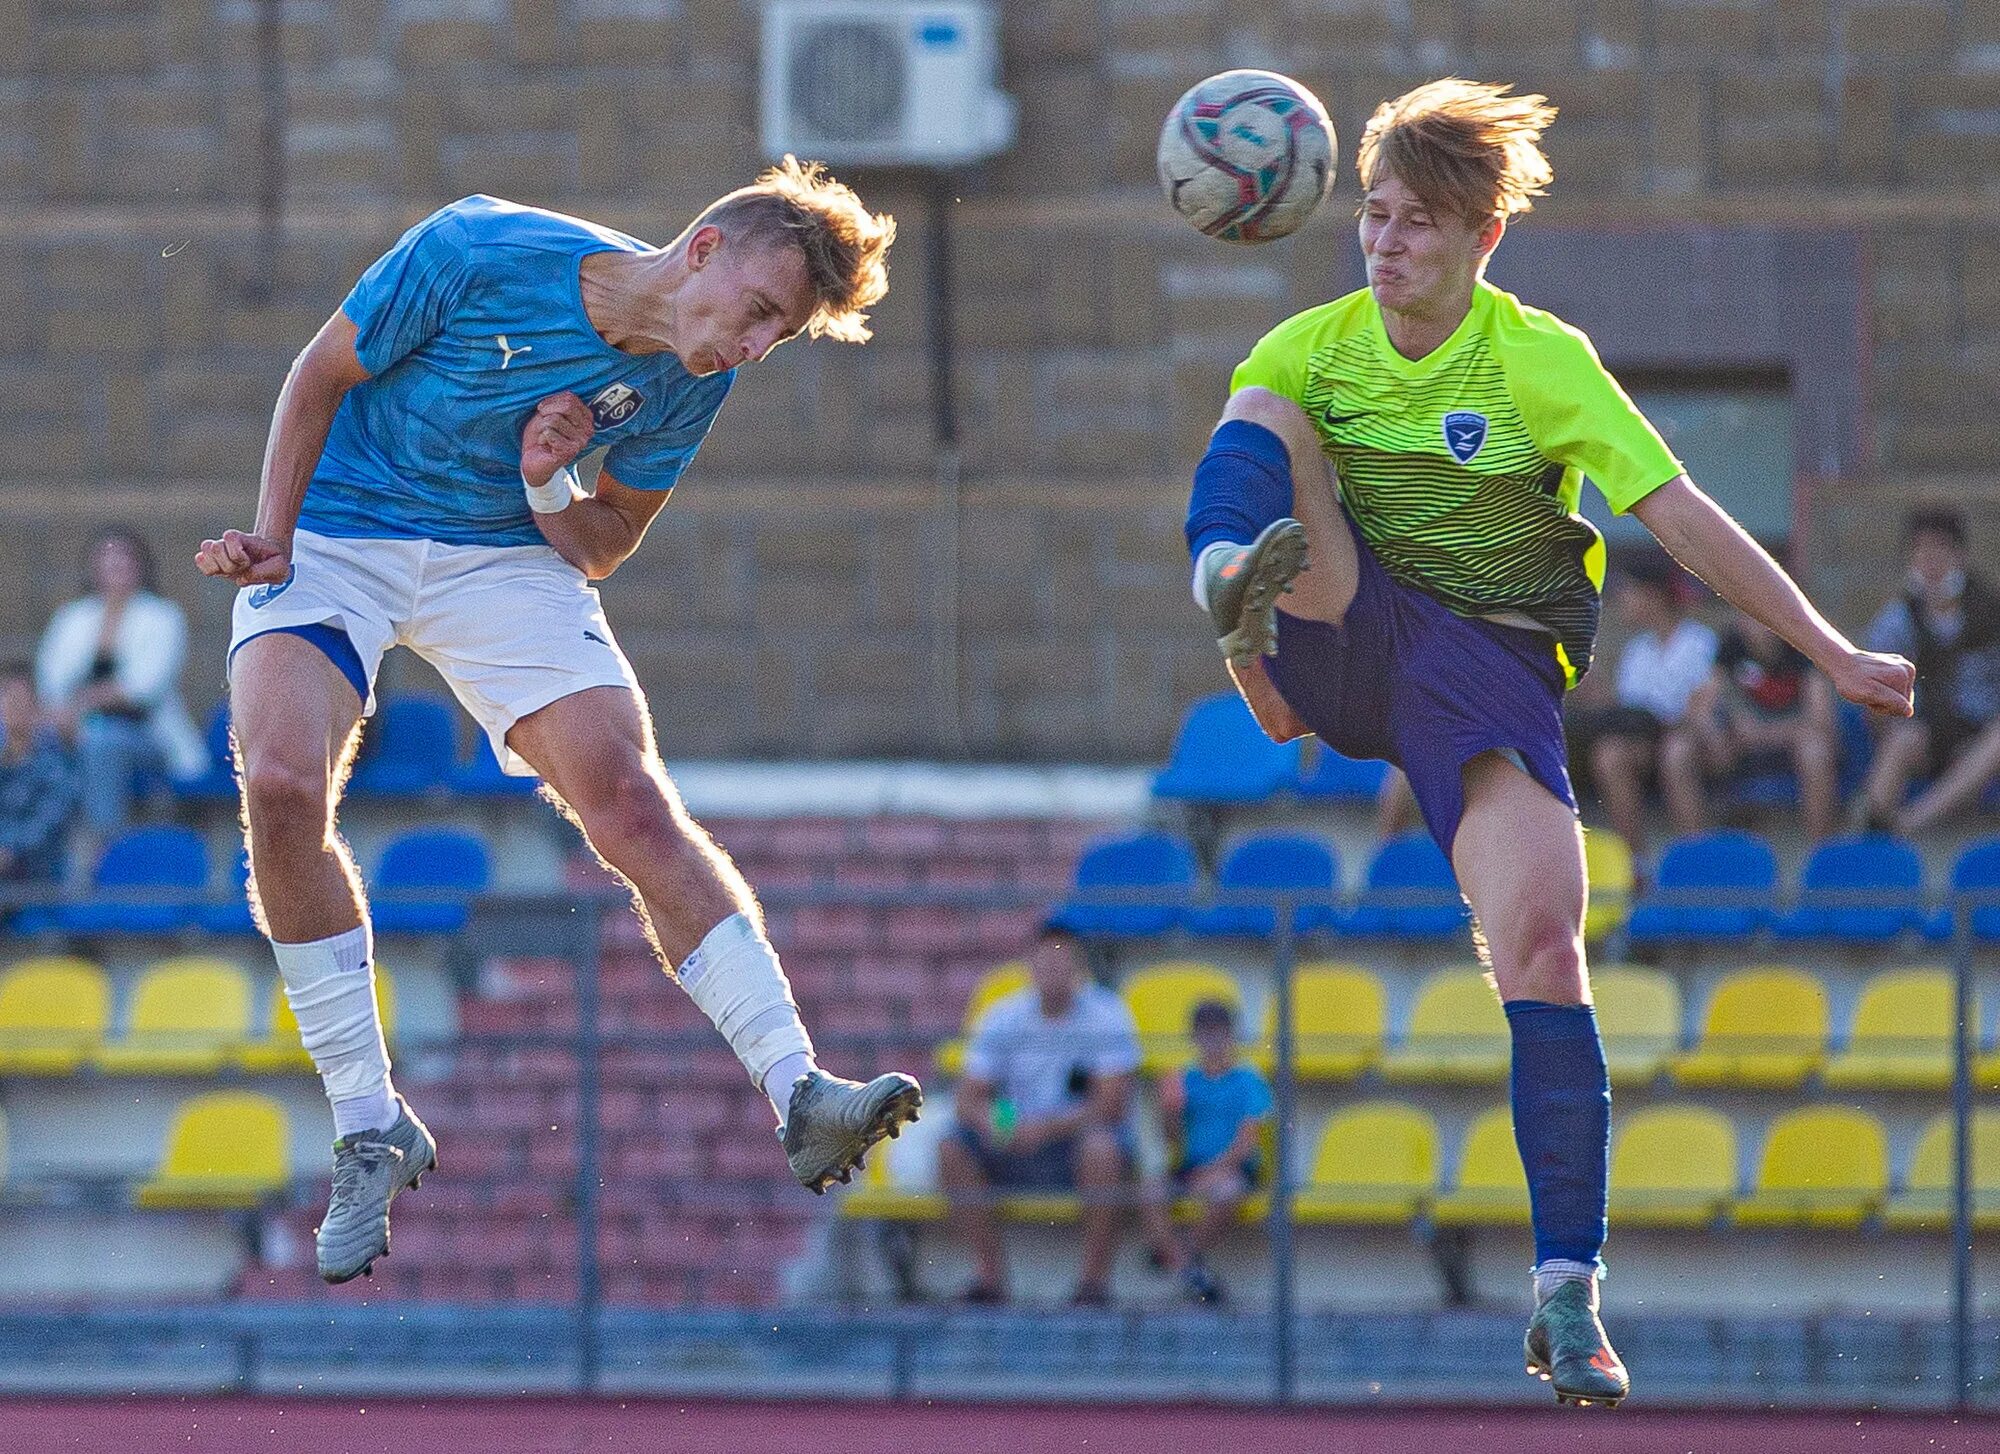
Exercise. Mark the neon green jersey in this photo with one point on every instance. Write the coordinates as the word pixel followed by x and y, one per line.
pixel 1463 468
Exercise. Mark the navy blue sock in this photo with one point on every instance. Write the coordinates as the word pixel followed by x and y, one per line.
pixel 1242 485
pixel 1562 1123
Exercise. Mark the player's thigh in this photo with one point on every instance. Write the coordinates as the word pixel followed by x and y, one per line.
pixel 1322 592
pixel 293 716
pixel 595 749
pixel 1519 859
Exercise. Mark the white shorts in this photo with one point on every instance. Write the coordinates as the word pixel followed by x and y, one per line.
pixel 512 628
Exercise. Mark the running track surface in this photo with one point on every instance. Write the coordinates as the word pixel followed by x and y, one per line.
pixel 609 1426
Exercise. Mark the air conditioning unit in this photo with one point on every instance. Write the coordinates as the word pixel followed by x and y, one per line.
pixel 888 82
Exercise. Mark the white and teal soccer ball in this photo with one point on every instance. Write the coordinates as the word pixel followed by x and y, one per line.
pixel 1246 155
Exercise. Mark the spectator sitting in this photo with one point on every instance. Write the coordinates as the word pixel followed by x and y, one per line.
pixel 1948 622
pixel 1762 707
pixel 1667 658
pixel 1214 1113
pixel 37 783
pixel 1043 1106
pixel 109 667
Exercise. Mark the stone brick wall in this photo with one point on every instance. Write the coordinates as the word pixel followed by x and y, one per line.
pixel 813 590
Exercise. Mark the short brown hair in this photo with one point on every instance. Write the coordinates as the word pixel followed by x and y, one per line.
pixel 845 246
pixel 1464 147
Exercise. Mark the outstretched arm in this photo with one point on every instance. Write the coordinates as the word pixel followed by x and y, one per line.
pixel 1701 536
pixel 595 533
pixel 319 379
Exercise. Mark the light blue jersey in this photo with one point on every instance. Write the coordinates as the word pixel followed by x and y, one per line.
pixel 468 323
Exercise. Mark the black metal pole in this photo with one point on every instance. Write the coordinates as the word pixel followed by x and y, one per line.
pixel 1284 1371
pixel 1961 1152
pixel 271 145
pixel 589 1124
pixel 938 298
pixel 949 461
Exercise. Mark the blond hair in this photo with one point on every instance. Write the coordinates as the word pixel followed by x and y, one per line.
pixel 845 246
pixel 1464 147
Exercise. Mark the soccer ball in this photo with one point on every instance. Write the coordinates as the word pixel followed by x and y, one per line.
pixel 1246 155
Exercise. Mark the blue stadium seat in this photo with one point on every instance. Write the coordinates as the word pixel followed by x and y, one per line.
pixel 479 776
pixel 233 915
pixel 428 859
pixel 1403 869
pixel 1223 756
pixel 1735 867
pixel 1290 861
pixel 1865 888
pixel 410 752
pixel 1976 871
pixel 220 779
pixel 1143 861
pixel 169 860
pixel 1341 778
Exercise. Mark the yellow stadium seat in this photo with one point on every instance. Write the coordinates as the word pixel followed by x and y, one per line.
pixel 1607 861
pixel 1926 1200
pixel 1162 998
pixel 1672 1166
pixel 226 1149
pixel 53 1014
pixel 1492 1188
pixel 1457 1033
pixel 880 1196
pixel 1902 1033
pixel 280 1051
pixel 1824 1166
pixel 999 982
pixel 188 1016
pixel 1765 1027
pixel 1376 1163
pixel 1639 1014
pixel 1338 1016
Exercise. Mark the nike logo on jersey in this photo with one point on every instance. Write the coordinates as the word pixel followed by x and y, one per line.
pixel 589 635
pixel 1335 420
pixel 508 355
pixel 1464 433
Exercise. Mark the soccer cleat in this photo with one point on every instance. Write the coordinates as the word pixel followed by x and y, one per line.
pixel 1568 1349
pixel 369 1168
pixel 1242 589
pixel 831 1123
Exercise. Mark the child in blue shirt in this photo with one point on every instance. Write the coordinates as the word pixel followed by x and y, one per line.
pixel 1214 1113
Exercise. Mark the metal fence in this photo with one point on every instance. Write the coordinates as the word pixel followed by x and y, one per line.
pixel 1281 1354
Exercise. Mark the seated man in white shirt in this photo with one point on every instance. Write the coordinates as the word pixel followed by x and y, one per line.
pixel 1044 1106
pixel 1668 656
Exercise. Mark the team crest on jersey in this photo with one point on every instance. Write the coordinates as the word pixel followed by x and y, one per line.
pixel 263 595
pixel 1464 433
pixel 615 405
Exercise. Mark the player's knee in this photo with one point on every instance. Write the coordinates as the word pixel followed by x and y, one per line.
pixel 283 794
pixel 631 812
pixel 1548 961
pixel 1100 1160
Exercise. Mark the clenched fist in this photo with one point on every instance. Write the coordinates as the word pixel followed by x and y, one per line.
pixel 1876 680
pixel 558 432
pixel 245 560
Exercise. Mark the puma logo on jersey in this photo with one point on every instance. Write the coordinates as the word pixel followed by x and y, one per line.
pixel 1464 433
pixel 615 404
pixel 508 355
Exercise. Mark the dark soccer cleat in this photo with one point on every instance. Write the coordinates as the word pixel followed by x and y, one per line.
pixel 1242 589
pixel 369 1168
pixel 1568 1349
pixel 831 1123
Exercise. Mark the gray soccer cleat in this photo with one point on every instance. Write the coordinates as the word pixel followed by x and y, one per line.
pixel 369 1168
pixel 1567 1348
pixel 1242 587
pixel 830 1123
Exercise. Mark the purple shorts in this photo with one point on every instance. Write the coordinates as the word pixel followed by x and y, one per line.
pixel 1407 680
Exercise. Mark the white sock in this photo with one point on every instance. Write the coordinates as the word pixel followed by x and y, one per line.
pixel 1201 574
pixel 1555 1272
pixel 734 977
pixel 331 986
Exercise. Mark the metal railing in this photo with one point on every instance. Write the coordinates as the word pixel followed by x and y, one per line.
pixel 1291 1346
